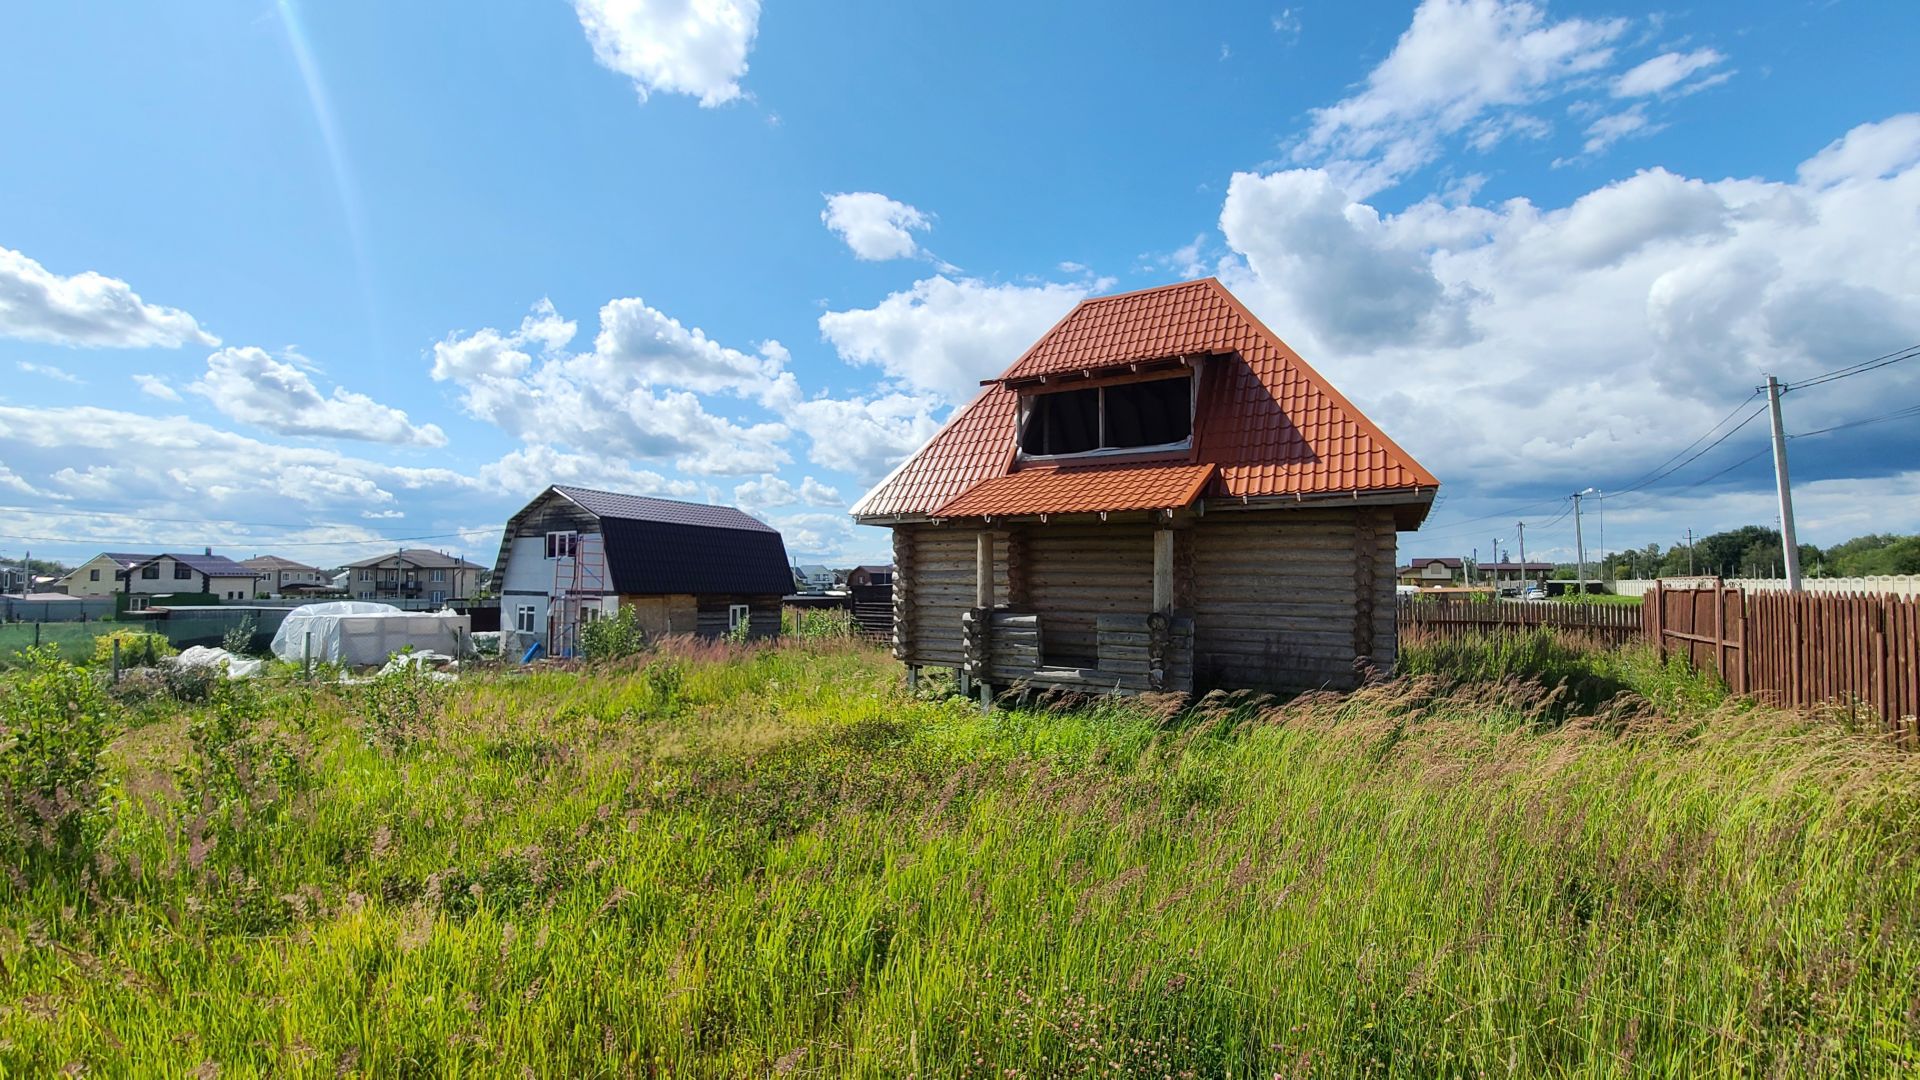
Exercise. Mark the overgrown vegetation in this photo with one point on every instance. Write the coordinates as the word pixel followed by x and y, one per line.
pixel 709 860
pixel 137 648
pixel 613 637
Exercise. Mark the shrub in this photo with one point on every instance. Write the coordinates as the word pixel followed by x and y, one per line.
pixel 54 721
pixel 138 648
pixel 398 706
pixel 614 637
pixel 827 623
pixel 238 639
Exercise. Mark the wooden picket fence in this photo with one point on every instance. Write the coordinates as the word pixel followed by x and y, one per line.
pixel 1799 649
pixel 1457 618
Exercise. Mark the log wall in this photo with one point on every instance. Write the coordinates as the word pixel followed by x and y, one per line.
pixel 1289 599
pixel 1279 599
pixel 933 585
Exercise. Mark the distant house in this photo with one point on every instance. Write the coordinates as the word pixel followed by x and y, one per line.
pixel 861 576
pixel 206 573
pixel 574 555
pixel 1159 494
pixel 284 577
pixel 1433 572
pixel 1516 573
pixel 100 575
pixel 414 574
pixel 812 577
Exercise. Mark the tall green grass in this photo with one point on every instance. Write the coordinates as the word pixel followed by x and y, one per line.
pixel 772 861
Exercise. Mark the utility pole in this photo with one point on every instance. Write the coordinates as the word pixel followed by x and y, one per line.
pixel 1521 527
pixel 1689 552
pixel 1579 545
pixel 1790 547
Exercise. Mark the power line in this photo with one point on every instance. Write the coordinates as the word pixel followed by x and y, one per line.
pixel 384 541
pixel 1861 368
pixel 81 511
pixel 1660 475
pixel 1910 410
pixel 1631 485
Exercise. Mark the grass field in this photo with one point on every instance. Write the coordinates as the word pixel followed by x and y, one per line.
pixel 773 862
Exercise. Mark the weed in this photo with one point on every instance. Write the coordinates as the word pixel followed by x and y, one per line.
pixel 54 722
pixel 138 648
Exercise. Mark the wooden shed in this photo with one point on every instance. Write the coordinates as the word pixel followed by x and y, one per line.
pixel 575 554
pixel 1158 495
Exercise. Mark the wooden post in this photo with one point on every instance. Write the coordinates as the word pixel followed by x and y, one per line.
pixel 116 659
pixel 983 569
pixel 1163 570
pixel 1720 631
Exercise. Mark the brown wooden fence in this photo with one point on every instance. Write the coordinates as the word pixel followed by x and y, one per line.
pixel 1457 618
pixel 1799 649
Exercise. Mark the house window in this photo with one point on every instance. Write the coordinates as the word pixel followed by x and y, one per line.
pixel 439 575
pixel 366 574
pixel 136 603
pixel 150 573
pixel 182 572
pixel 523 618
pixel 738 615
pixel 1156 414
pixel 562 545
pixel 93 575
pixel 438 596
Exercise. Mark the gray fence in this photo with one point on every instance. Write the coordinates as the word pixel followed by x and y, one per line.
pixel 72 609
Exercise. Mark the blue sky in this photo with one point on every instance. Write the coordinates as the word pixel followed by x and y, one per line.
pixel 316 278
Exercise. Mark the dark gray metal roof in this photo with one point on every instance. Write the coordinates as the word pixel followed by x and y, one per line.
pixel 612 504
pixel 210 565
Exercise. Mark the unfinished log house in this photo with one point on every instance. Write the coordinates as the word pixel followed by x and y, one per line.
pixel 1159 495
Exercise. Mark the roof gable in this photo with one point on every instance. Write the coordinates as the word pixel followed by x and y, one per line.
pixel 1269 423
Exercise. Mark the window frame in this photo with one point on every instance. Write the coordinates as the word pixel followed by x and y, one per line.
pixel 737 614
pixel 182 572
pixel 93 575
pixel 150 572
pixel 1027 412
pixel 525 616
pixel 571 544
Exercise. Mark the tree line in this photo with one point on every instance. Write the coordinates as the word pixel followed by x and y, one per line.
pixel 1756 551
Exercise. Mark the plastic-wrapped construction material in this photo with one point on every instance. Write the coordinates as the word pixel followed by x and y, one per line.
pixel 362 634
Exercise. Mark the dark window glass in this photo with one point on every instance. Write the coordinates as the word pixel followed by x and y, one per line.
pixel 1064 423
pixel 150 572
pixel 1136 414
pixel 1148 413
pixel 182 572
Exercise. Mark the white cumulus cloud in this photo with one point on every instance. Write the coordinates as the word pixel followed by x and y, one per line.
pixel 1664 72
pixel 87 309
pixel 873 226
pixel 278 394
pixel 693 47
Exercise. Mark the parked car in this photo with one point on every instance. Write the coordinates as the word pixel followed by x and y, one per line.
pixel 1535 592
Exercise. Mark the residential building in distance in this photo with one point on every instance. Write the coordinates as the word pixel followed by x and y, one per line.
pixel 812 577
pixel 574 555
pixel 1430 573
pixel 414 574
pixel 1510 573
pixel 100 575
pixel 285 577
pixel 861 576
pixel 206 573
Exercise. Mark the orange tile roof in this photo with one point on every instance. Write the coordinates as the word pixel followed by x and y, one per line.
pixel 1269 422
pixel 1082 490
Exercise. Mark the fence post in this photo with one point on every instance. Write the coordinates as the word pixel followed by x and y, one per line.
pixel 306 657
pixel 36 635
pixel 116 659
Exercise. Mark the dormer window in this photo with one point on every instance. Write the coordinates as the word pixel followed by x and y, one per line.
pixel 1150 415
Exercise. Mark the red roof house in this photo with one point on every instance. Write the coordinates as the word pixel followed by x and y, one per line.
pixel 1160 494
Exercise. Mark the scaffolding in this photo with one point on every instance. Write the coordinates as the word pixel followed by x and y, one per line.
pixel 579 584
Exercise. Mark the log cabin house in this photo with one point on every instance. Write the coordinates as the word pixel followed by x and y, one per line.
pixel 1158 495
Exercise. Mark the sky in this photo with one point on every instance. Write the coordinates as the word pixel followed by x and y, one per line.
pixel 327 279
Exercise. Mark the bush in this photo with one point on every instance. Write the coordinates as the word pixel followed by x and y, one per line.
pixel 398 706
pixel 138 648
pixel 828 623
pixel 54 721
pixel 614 637
pixel 238 639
